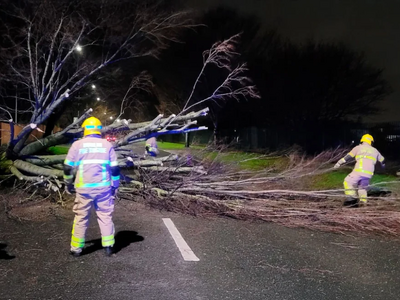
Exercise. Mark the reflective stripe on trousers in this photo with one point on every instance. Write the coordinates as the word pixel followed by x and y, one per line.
pixel 104 206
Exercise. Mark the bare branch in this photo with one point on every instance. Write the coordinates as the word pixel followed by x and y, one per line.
pixel 236 85
pixel 46 50
pixel 142 82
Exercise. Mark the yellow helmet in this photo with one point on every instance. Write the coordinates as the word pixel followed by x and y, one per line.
pixel 91 125
pixel 367 138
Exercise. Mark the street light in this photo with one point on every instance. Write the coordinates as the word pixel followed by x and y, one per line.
pixel 111 118
pixel 78 48
pixel 93 86
pixel 98 99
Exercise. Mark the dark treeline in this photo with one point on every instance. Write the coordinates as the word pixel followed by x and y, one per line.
pixel 311 93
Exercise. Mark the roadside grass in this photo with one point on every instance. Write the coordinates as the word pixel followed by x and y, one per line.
pixel 59 149
pixel 246 160
pixel 256 162
pixel 242 160
pixel 335 179
pixel 177 146
pixel 328 181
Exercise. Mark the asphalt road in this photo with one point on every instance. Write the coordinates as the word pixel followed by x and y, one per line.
pixel 238 260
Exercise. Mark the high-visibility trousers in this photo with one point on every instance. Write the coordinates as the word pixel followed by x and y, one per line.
pixel 355 183
pixel 103 203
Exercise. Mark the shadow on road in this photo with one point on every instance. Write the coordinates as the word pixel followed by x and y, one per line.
pixel 3 253
pixel 122 239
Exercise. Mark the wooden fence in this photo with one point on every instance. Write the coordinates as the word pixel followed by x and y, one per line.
pixel 36 134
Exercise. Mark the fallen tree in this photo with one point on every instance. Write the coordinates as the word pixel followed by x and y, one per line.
pixel 279 196
pixel 53 50
pixel 42 64
pixel 44 68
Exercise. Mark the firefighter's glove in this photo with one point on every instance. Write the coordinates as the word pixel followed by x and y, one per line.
pixel 337 166
pixel 113 191
pixel 70 189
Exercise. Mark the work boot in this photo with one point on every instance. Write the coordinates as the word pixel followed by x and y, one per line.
pixel 351 202
pixel 75 253
pixel 108 251
pixel 362 203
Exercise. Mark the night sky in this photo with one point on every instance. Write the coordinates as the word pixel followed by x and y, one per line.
pixel 372 26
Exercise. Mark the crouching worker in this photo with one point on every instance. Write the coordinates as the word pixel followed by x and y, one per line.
pixel 94 161
pixel 366 157
pixel 151 147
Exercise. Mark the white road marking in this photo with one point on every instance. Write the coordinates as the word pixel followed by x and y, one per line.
pixel 183 247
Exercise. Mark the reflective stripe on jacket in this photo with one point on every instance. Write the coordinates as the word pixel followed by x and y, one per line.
pixel 366 157
pixel 92 157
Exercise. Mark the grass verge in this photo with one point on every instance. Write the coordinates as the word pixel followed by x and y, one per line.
pixel 177 146
pixel 246 160
pixel 59 149
pixel 335 179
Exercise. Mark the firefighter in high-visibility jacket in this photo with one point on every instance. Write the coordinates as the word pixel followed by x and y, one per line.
pixel 94 162
pixel 366 157
pixel 151 147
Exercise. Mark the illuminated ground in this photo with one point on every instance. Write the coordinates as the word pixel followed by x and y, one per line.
pixel 238 260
